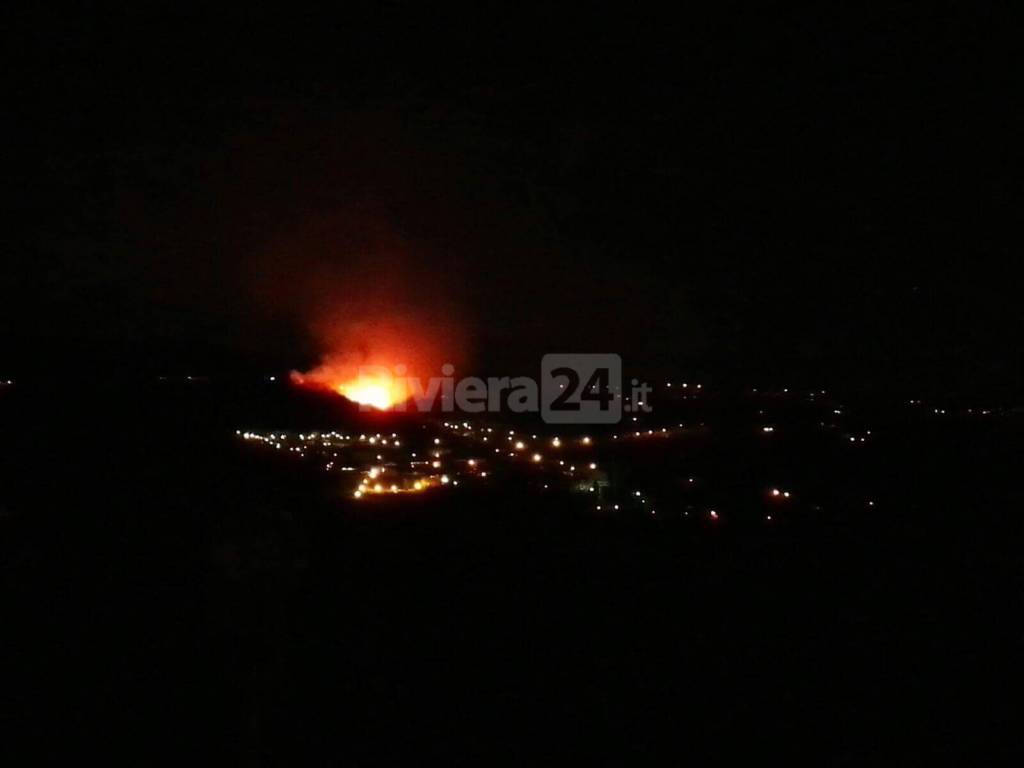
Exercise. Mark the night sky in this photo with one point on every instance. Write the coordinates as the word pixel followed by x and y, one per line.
pixel 822 193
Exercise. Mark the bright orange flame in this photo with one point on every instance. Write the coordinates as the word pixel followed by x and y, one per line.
pixel 378 391
pixel 381 361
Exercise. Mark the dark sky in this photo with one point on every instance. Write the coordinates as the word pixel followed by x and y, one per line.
pixel 768 189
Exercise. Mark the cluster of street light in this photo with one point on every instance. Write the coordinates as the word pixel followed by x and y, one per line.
pixel 454 452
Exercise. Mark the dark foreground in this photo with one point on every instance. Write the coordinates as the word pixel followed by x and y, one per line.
pixel 167 597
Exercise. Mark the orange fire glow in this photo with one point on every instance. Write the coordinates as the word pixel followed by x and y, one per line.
pixel 367 299
pixel 381 391
pixel 379 363
pixel 377 386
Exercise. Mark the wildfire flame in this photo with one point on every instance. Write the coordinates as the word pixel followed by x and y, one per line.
pixel 373 386
pixel 368 300
pixel 380 391
pixel 377 364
